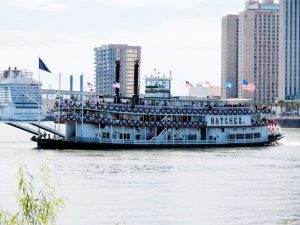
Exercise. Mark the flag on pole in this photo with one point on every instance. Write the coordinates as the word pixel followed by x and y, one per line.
pixel 116 85
pixel 229 85
pixel 248 86
pixel 42 66
pixel 188 84
pixel 206 84
pixel 90 86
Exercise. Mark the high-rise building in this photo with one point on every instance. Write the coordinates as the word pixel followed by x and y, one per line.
pixel 289 50
pixel 230 35
pixel 105 60
pixel 257 51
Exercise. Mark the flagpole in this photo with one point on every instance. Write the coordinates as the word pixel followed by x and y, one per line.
pixel 40 103
pixel 59 90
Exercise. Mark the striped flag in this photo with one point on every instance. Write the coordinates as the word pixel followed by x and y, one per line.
pixel 248 86
pixel 116 85
pixel 90 86
pixel 206 84
pixel 188 84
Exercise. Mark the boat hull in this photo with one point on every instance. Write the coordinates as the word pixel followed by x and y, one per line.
pixel 67 144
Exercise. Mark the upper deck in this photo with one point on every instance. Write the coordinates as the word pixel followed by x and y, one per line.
pixel 165 106
pixel 16 76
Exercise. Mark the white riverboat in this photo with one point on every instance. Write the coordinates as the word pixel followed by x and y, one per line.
pixel 20 96
pixel 159 121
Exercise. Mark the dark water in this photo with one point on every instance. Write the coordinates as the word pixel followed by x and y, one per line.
pixel 169 187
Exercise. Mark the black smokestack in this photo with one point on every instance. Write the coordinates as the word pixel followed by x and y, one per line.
pixel 118 66
pixel 136 80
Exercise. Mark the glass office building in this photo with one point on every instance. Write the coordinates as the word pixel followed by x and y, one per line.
pixel 290 50
pixel 105 68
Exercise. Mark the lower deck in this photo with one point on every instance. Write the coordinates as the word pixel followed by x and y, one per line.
pixel 164 135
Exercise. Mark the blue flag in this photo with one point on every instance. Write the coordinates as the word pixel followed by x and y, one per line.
pixel 229 85
pixel 42 66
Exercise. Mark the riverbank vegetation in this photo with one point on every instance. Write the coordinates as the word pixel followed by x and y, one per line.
pixel 37 201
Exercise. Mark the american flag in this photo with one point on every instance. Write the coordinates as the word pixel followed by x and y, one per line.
pixel 206 84
pixel 248 86
pixel 116 85
pixel 188 84
pixel 90 86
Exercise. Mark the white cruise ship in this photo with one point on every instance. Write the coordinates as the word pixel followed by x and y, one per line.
pixel 20 96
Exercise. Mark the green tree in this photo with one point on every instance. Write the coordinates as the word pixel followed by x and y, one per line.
pixel 38 205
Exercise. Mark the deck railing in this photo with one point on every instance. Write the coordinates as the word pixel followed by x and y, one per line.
pixel 168 142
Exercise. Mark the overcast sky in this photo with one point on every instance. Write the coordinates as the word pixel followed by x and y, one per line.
pixel 181 36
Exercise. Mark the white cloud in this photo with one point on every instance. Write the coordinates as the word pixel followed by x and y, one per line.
pixel 189 46
pixel 46 5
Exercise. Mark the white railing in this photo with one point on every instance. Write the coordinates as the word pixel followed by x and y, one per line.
pixel 169 142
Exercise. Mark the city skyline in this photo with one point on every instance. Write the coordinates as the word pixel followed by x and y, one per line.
pixel 250 51
pixel 184 37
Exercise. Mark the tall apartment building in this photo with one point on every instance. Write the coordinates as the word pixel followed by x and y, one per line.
pixel 230 35
pixel 105 60
pixel 257 51
pixel 289 75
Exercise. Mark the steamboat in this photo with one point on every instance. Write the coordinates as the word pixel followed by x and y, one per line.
pixel 159 120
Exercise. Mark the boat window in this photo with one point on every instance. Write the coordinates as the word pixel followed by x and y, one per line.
pixel 249 136
pixel 240 136
pixel 231 136
pixel 257 135
pixel 105 135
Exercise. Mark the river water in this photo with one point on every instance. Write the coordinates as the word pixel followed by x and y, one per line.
pixel 258 185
